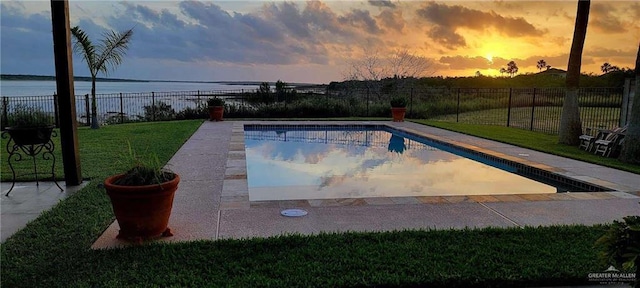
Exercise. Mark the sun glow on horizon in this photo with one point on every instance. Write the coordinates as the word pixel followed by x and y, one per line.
pixel 489 58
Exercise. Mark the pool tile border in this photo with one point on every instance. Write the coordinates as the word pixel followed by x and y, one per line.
pixel 235 190
pixel 524 166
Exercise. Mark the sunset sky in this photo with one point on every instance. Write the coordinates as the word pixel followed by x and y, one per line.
pixel 311 41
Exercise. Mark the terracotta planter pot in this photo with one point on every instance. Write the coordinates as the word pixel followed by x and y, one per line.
pixel 30 135
pixel 215 113
pixel 142 211
pixel 398 113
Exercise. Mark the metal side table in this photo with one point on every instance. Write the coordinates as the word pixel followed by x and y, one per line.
pixel 25 151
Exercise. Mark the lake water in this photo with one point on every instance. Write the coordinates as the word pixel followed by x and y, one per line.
pixel 42 88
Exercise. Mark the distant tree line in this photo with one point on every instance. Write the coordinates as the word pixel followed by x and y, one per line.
pixel 282 93
pixel 25 77
pixel 541 80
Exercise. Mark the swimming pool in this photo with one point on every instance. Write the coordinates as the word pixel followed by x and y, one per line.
pixel 290 162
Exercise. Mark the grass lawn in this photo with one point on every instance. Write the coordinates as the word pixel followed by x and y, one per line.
pixel 102 149
pixel 54 250
pixel 546 118
pixel 532 140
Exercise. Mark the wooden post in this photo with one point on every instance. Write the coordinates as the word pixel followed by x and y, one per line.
pixel 66 95
pixel 56 113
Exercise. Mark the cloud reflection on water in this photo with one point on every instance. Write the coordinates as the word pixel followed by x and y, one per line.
pixel 335 164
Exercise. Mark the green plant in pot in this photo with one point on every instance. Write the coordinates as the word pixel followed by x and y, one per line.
pixel 398 108
pixel 142 199
pixel 216 108
pixel 28 125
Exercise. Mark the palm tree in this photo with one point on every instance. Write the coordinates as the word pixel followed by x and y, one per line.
pixel 606 67
pixel 541 64
pixel 502 71
pixel 570 124
pixel 548 67
pixel 512 68
pixel 100 58
pixel 631 146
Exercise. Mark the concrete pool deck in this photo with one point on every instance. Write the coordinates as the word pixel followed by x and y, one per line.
pixel 27 201
pixel 212 200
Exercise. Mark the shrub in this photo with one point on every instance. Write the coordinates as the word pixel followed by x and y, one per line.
pixel 620 246
pixel 317 107
pixel 263 94
pixel 120 119
pixel 28 116
pixel 159 112
pixel 199 112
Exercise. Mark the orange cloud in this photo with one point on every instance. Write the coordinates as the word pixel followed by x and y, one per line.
pixel 466 62
pixel 392 20
pixel 382 3
pixel 362 20
pixel 447 19
pixel 604 18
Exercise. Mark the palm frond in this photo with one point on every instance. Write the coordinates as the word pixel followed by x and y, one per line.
pixel 112 49
pixel 84 47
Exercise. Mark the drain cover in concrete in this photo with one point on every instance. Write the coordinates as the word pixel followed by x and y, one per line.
pixel 293 213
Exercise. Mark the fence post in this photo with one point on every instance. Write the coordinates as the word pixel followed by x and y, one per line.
pixel 533 108
pixel 326 97
pixel 411 102
pixel 121 110
pixel 286 96
pixel 153 106
pixel 509 108
pixel 242 96
pixel 5 111
pixel 367 101
pixel 632 96
pixel 198 98
pixel 56 116
pixel 458 107
pixel 626 97
pixel 86 109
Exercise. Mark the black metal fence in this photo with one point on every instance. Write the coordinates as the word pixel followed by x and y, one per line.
pixel 121 107
pixel 536 109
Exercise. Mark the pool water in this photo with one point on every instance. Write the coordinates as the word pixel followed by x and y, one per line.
pixel 336 162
